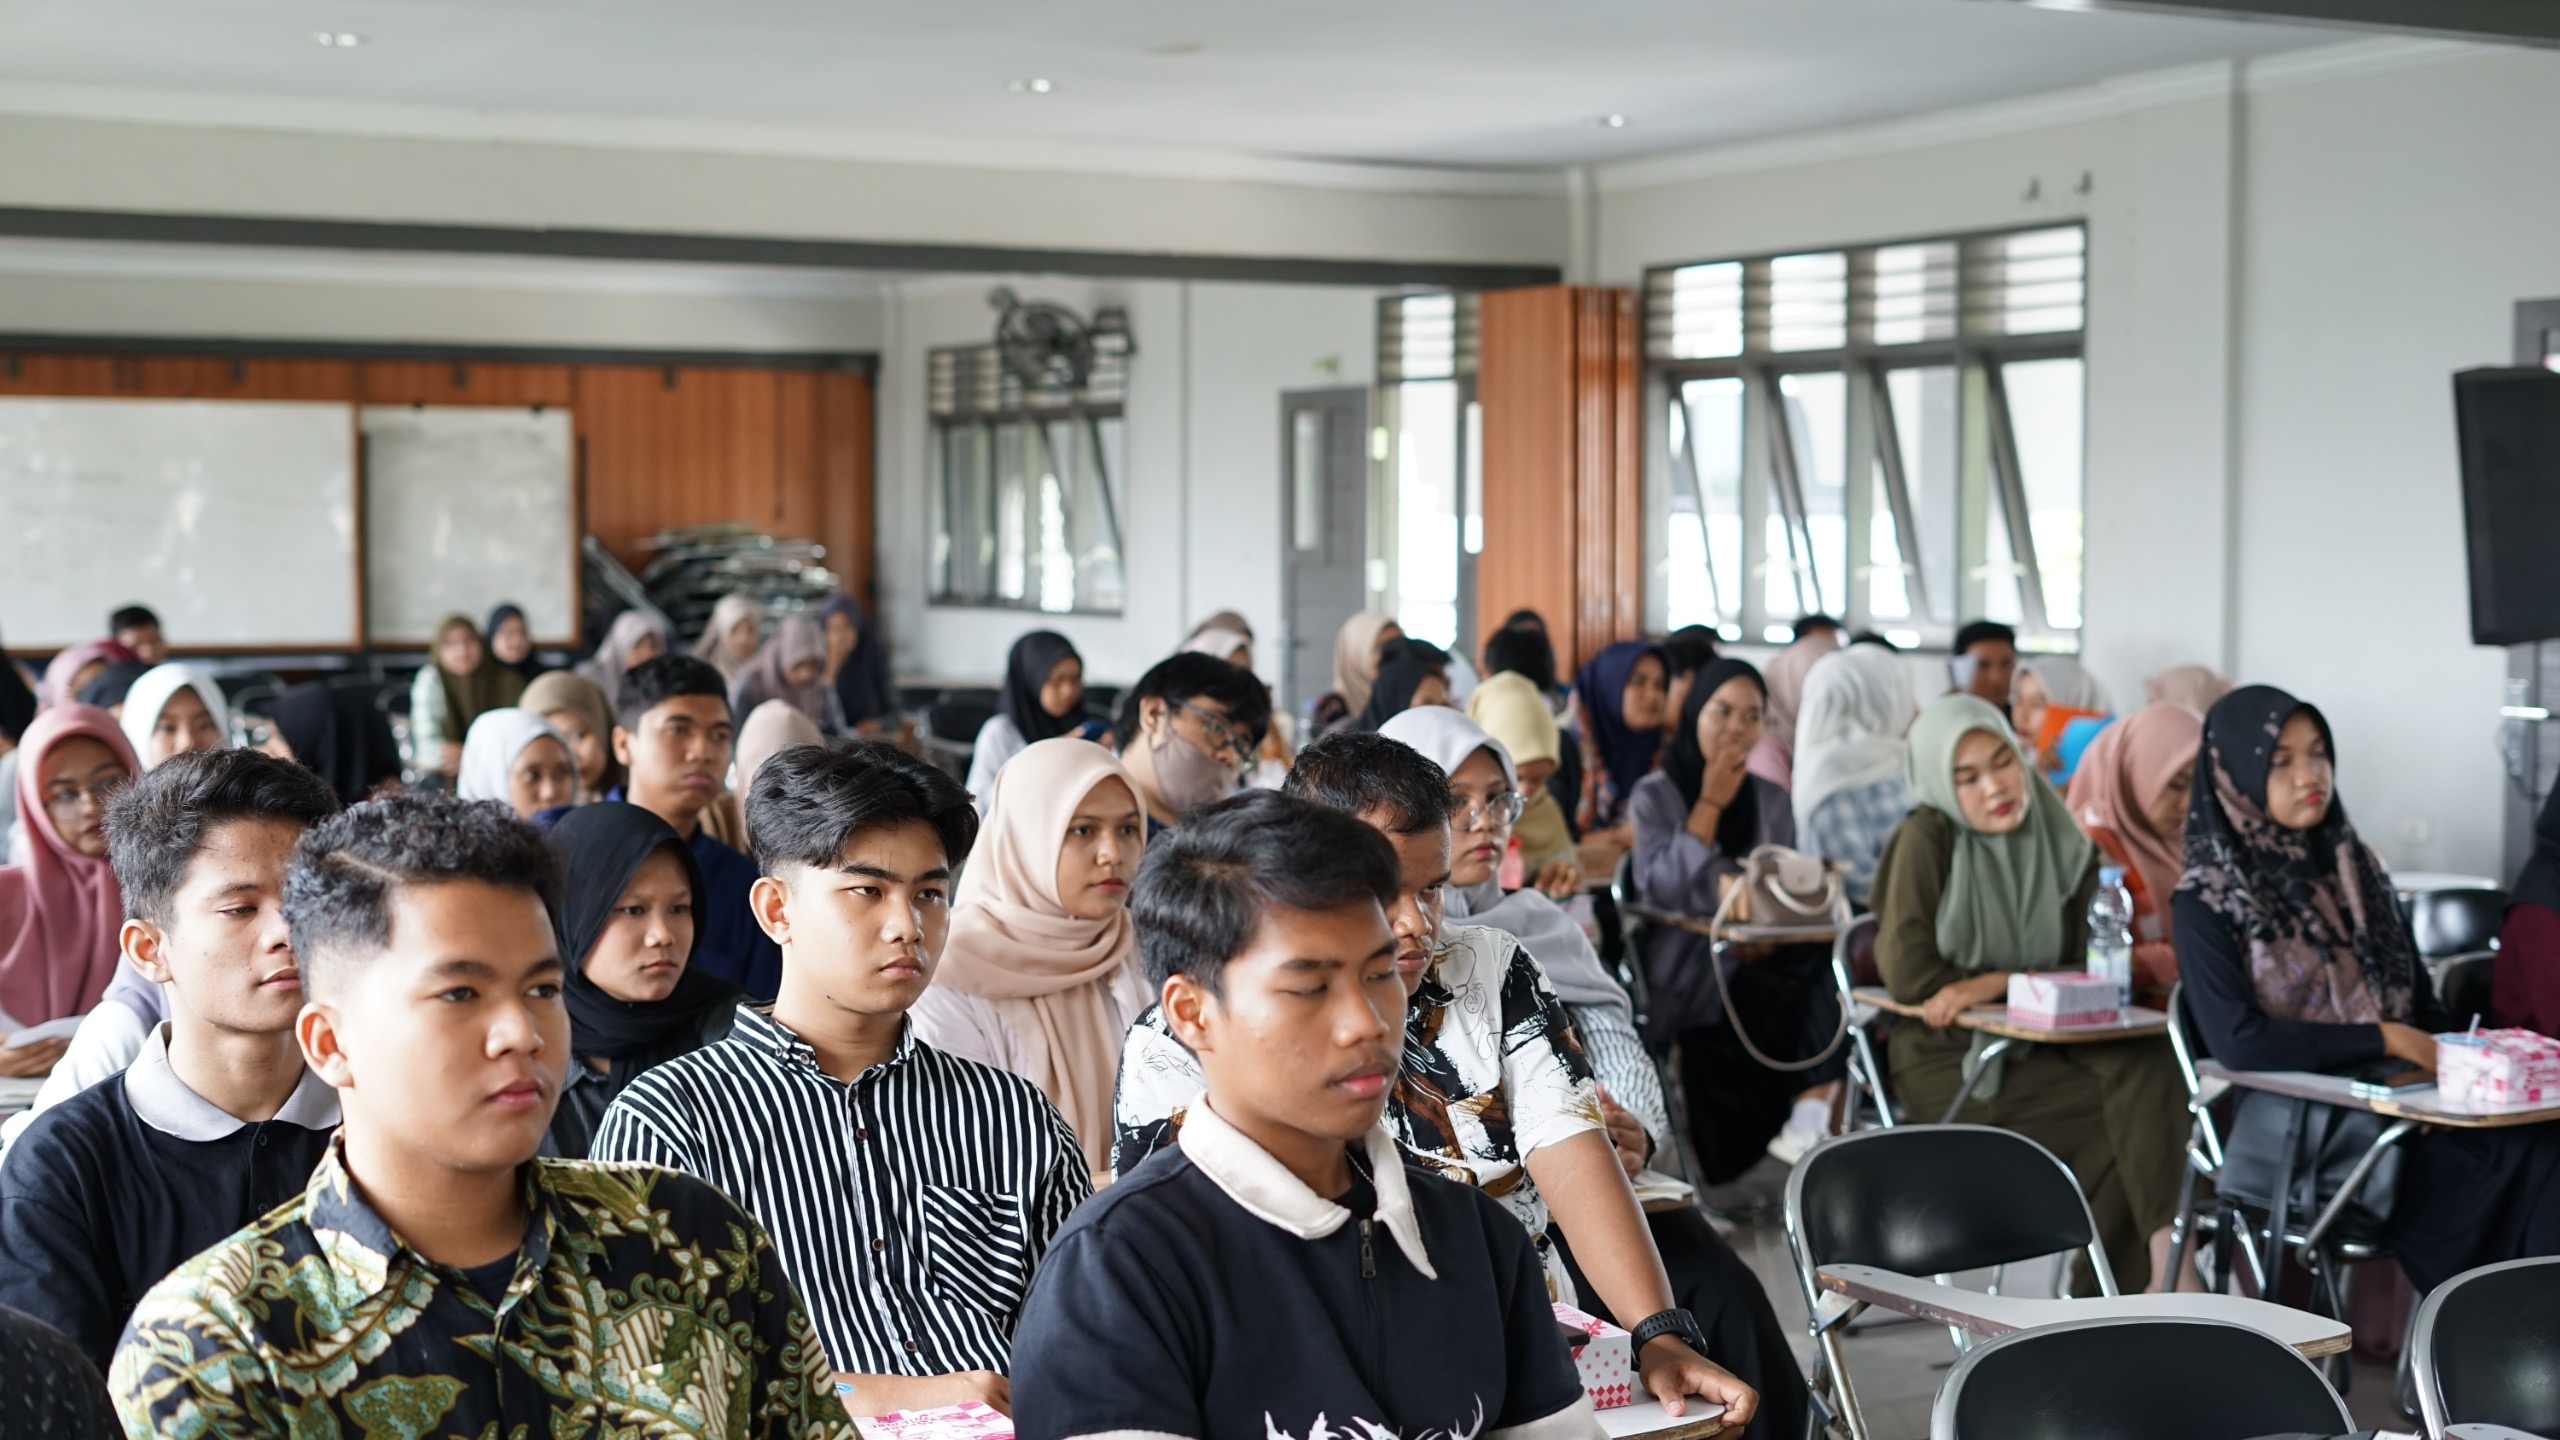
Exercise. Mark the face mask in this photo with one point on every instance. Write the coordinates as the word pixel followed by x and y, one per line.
pixel 1187 776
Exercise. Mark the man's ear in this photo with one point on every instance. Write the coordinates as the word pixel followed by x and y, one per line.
pixel 143 943
pixel 770 903
pixel 622 746
pixel 316 1030
pixel 1188 1009
pixel 1151 713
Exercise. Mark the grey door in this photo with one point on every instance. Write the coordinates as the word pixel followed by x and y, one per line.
pixel 1324 520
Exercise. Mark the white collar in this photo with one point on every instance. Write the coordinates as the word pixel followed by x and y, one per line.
pixel 1270 1193
pixel 164 1102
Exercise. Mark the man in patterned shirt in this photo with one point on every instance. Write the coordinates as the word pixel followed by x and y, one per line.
pixel 435 1278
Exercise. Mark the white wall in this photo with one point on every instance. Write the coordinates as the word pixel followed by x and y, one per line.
pixel 1200 505
pixel 2287 261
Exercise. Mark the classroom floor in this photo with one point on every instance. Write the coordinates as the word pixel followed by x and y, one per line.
pixel 1899 1365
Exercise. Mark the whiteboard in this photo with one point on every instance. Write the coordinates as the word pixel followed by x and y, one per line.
pixel 234 519
pixel 466 507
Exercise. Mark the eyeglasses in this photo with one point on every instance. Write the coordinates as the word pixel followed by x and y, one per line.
pixel 66 798
pixel 1494 811
pixel 1219 731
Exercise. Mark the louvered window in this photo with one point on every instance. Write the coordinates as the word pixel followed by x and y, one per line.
pixel 1024 477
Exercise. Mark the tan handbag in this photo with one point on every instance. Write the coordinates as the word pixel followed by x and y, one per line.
pixel 1782 894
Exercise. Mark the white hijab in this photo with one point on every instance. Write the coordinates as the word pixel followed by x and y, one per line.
pixel 1446 738
pixel 150 695
pixel 489 752
pixel 1857 704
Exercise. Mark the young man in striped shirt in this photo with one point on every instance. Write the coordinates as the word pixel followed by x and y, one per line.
pixel 910 1193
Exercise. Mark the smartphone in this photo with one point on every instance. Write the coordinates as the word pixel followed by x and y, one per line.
pixel 2398 1082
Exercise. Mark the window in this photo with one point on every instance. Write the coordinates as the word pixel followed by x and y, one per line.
pixel 1891 434
pixel 1021 487
pixel 1430 426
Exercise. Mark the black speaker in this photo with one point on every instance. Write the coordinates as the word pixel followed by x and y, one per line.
pixel 2509 421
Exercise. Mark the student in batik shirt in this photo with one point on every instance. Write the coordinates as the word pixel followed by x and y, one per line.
pixel 435 1278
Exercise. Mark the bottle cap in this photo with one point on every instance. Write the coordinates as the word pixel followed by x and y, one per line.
pixel 2110 874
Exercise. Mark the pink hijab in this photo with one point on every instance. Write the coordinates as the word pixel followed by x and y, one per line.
pixel 59 909
pixel 2120 774
pixel 1774 758
pixel 55 688
pixel 1012 942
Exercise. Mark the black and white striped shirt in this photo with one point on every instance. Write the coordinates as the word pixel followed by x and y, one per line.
pixel 909 1207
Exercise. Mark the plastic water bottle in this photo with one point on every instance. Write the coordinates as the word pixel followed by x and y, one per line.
pixel 2111 932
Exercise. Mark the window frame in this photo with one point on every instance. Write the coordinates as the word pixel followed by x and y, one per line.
pixel 968 389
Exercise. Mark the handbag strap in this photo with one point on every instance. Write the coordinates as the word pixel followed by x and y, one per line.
pixel 2279 1208
pixel 1733 1017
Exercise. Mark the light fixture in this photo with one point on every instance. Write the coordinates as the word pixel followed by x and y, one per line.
pixel 336 39
pixel 1610 122
pixel 1028 85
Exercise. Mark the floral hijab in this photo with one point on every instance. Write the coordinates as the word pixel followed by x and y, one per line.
pixel 2326 939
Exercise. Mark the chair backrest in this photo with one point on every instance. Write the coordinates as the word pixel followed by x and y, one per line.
pixel 2463 985
pixel 2146 1379
pixel 47 1387
pixel 2453 922
pixel 1933 1199
pixel 1854 954
pixel 960 714
pixel 2487 1348
pixel 2185 1040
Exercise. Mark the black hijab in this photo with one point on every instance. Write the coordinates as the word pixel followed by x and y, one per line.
pixel 1738 828
pixel 1025 671
pixel 17 702
pixel 107 691
pixel 2538 883
pixel 863 686
pixel 530 667
pixel 2326 939
pixel 339 734
pixel 601 846
pixel 1401 671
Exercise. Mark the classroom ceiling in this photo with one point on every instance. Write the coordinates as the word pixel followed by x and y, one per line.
pixel 1490 83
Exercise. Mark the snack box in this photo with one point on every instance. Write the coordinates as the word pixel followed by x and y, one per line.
pixel 968 1420
pixel 2497 1070
pixel 2062 999
pixel 1603 1355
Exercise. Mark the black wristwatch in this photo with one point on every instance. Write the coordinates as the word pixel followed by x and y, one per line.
pixel 1671 1322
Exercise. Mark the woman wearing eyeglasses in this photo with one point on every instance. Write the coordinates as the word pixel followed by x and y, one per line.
pixel 60 907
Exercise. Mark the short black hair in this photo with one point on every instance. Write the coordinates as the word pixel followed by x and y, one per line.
pixel 337 892
pixel 655 681
pixel 1357 771
pixel 132 617
pixel 1817 621
pixel 1689 649
pixel 1205 884
pixel 1522 650
pixel 1874 637
pixel 156 824
pixel 107 688
pixel 1975 632
pixel 808 800
pixel 1193 677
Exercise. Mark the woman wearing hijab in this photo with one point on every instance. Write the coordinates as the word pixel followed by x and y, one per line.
pixel 626 925
pixel 635 636
pixel 511 642
pixel 2058 707
pixel 575 710
pixel 2295 955
pixel 1774 757
pixel 1412 673
pixel 770 729
pixel 1514 711
pixel 732 636
pixel 1696 820
pixel 2194 686
pixel 72 669
pixel 338 734
pixel 1989 876
pixel 464 683
pixel 857 667
pixel 1850 791
pixel 1039 974
pixel 1043 698
pixel 2130 796
pixel 173 709
pixel 1707 1278
pixel 1233 646
pixel 1357 648
pixel 1618 710
pixel 60 909
pixel 791 668
pixel 106 689
pixel 514 758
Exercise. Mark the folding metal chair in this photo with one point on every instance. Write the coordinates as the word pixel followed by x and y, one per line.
pixel 2147 1379
pixel 2447 923
pixel 2486 1349
pixel 1853 963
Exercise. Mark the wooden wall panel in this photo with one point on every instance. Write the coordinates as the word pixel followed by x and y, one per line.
pixel 1557 376
pixel 462 382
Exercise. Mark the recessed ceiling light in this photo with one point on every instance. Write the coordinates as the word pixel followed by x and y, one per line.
pixel 337 39
pixel 1028 85
pixel 1610 122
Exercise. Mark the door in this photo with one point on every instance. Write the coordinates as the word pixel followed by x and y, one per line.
pixel 1324 522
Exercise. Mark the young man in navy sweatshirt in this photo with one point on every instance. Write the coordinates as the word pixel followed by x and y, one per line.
pixel 1284 1270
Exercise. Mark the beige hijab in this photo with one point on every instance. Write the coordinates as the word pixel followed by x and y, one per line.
pixel 1049 975
pixel 1355 657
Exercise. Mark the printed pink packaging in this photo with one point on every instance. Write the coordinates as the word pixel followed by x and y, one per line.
pixel 2497 1070
pixel 1603 1355
pixel 2062 999
pixel 968 1420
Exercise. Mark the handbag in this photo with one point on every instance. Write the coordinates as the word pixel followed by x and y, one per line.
pixel 1782 896
pixel 2290 1157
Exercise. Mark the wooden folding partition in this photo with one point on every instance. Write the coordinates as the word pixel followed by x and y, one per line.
pixel 1557 376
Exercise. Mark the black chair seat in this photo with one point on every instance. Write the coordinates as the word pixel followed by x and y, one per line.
pixel 2486 1348
pixel 2136 1380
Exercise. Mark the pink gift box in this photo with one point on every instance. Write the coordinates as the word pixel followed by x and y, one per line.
pixel 2062 999
pixel 968 1420
pixel 2497 1070
pixel 1603 1355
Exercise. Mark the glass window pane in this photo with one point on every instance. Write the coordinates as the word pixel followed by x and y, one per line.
pixel 2031 283
pixel 1817 409
pixel 2000 574
pixel 1705 542
pixel 1695 312
pixel 1914 293
pixel 1925 400
pixel 1809 301
pixel 1306 479
pixel 2046 401
pixel 1427 510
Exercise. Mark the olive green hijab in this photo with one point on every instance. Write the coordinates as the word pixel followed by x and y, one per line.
pixel 2005 896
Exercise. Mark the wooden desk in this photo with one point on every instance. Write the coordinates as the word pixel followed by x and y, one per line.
pixel 1647 1420
pixel 1992 1315
pixel 2423 1105
pixel 2137 1021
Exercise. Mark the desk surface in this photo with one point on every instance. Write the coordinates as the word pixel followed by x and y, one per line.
pixel 1646 1420
pixel 2312 1335
pixel 18 1092
pixel 2422 1105
pixel 2138 1021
